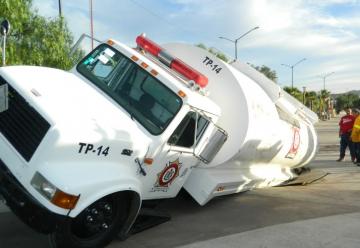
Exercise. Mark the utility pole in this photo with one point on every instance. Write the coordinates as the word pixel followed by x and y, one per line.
pixel 91 25
pixel 60 10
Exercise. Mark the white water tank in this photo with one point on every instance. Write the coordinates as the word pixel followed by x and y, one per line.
pixel 265 125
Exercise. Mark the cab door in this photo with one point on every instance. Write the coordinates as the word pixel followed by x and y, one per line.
pixel 177 157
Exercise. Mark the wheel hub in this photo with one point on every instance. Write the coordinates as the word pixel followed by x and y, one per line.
pixel 95 219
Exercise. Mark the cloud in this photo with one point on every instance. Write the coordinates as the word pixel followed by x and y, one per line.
pixel 332 2
pixel 326 32
pixel 46 8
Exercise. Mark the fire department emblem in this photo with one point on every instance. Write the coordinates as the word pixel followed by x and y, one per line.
pixel 168 174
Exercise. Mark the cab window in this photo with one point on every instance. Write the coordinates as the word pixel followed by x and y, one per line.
pixel 186 133
pixel 142 95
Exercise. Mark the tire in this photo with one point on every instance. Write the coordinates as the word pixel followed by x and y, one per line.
pixel 95 226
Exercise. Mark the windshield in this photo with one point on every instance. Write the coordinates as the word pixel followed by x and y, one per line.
pixel 145 98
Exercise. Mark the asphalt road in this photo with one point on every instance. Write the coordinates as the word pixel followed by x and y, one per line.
pixel 325 213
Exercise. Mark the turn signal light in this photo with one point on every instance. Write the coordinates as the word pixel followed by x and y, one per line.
pixel 181 93
pixel 134 58
pixel 148 161
pixel 64 200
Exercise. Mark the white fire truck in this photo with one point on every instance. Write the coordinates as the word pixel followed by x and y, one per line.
pixel 81 150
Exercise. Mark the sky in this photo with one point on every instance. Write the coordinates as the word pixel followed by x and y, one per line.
pixel 324 32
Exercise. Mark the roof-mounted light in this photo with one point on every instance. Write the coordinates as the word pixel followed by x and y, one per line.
pixel 148 45
pixel 174 63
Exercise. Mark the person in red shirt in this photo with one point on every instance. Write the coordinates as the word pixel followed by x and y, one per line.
pixel 346 124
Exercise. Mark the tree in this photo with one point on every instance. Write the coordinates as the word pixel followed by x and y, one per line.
pixel 270 74
pixel 295 92
pixel 357 103
pixel 317 102
pixel 324 94
pixel 201 45
pixel 218 54
pixel 348 100
pixel 311 100
pixel 36 40
pixel 324 98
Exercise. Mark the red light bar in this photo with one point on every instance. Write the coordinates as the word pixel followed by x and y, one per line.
pixel 148 45
pixel 189 72
pixel 173 62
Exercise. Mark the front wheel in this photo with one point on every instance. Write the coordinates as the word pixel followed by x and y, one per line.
pixel 95 226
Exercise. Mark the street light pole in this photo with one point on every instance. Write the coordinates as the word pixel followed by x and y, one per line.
pixel 325 76
pixel 4 31
pixel 292 70
pixel 236 40
pixel 236 49
pixel 326 103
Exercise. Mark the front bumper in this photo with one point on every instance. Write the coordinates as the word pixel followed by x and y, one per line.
pixel 24 205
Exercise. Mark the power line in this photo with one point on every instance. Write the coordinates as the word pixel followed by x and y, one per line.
pixel 158 16
pixel 149 11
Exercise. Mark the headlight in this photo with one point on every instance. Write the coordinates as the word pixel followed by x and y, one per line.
pixel 43 186
pixel 53 194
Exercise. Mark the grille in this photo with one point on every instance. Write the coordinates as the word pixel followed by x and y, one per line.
pixel 22 125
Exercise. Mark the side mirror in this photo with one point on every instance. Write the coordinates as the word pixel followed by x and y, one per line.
pixel 212 146
pixel 5 27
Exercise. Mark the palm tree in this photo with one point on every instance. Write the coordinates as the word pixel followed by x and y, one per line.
pixel 324 103
pixel 311 98
pixel 324 94
pixel 295 92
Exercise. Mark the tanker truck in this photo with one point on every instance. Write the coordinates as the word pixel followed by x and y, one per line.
pixel 82 150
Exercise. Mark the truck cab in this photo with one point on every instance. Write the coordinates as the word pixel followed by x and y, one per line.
pixel 80 150
pixel 174 120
